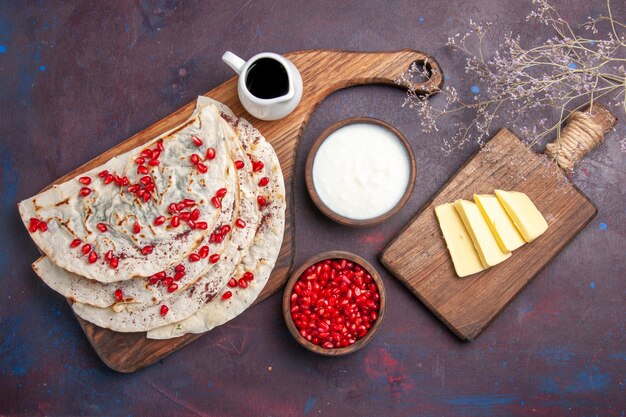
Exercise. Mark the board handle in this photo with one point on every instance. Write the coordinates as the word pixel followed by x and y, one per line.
pixel 583 131
pixel 427 68
pixel 341 69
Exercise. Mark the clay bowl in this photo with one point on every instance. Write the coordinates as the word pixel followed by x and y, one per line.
pixel 287 308
pixel 315 196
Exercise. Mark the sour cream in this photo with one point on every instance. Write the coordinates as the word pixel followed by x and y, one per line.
pixel 361 171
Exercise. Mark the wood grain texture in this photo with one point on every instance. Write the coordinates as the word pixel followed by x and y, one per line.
pixel 323 72
pixel 310 186
pixel 418 256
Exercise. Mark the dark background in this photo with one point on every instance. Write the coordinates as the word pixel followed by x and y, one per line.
pixel 76 78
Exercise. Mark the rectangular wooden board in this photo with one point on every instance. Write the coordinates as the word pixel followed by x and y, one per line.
pixel 418 256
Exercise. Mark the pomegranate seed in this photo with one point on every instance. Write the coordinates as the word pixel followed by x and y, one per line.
pixel 204 252
pixel 243 283
pixel 33 224
pixel 179 268
pixel 172 208
pixel 147 250
pixel 264 181
pixel 218 238
pixel 146 153
pixel 195 214
pixel 201 225
pixel 214 258
pixel 227 295
pixel 194 158
pixel 257 166
pixel 178 276
pixel 109 255
pixel 239 164
pixel 118 180
pixel 217 202
pixel 113 263
pixel 93 257
pixel 194 257
pixel 160 275
pixel 248 276
pixel 160 146
pixel 221 192
pixel 42 226
pixel 172 287
pixel 102 227
pixel 125 181
pixel 225 229
pixel 156 153
pixel 153 280
pixel 240 223
pixel 189 202
pixel 164 310
pixel 196 140
pixel 140 160
pixel 232 283
pixel 86 248
pixel 103 174
pixel 146 197
pixel 202 168
pixel 175 221
pixel 118 295
pixel 75 243
pixel 261 201
pixel 136 228
pixel 146 179
pixel 191 223
pixel 133 188
pixel 85 180
pixel 168 281
pixel 154 162
pixel 142 170
pixel 85 191
pixel 210 153
pixel 108 179
pixel 185 215
pixel 159 220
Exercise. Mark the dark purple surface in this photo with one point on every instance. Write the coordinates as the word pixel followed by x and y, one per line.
pixel 78 78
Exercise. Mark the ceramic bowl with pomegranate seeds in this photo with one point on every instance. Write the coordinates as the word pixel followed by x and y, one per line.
pixel 334 303
pixel 360 171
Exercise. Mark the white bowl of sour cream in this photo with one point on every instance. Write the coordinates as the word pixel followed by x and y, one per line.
pixel 360 171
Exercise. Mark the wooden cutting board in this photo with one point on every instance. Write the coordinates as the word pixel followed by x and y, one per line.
pixel 323 72
pixel 418 256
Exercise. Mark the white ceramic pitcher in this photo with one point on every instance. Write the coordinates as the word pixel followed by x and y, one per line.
pixel 266 108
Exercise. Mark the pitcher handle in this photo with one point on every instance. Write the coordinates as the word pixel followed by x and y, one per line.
pixel 233 61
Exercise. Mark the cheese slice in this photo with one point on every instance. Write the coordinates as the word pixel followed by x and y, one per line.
pixel 484 241
pixel 499 222
pixel 525 215
pixel 464 256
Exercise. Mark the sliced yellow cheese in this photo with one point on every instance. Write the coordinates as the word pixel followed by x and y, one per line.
pixel 526 217
pixel 464 256
pixel 499 222
pixel 484 241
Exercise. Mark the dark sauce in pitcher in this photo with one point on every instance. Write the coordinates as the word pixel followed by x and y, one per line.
pixel 267 78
